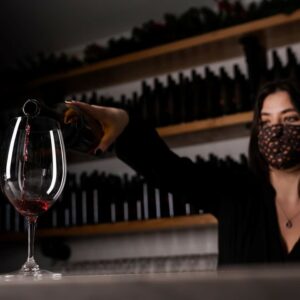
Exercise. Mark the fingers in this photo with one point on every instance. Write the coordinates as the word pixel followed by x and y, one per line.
pixel 92 110
pixel 112 120
pixel 107 140
pixel 70 116
pixel 104 144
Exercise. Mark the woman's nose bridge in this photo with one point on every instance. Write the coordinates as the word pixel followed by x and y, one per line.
pixel 276 120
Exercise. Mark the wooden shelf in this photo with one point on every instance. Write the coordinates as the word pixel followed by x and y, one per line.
pixel 120 227
pixel 208 130
pixel 221 44
pixel 207 124
pixel 133 226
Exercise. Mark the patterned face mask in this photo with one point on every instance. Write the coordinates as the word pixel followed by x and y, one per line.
pixel 280 145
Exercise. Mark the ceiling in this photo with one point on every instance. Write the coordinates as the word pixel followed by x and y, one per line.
pixel 28 26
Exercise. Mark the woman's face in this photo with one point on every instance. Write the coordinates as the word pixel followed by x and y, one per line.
pixel 278 108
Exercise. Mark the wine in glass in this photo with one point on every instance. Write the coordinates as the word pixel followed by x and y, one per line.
pixel 33 174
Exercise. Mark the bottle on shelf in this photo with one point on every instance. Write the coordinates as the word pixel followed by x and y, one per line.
pixel 189 23
pixel 292 69
pixel 182 100
pixel 198 94
pixel 134 192
pixel 277 70
pixel 167 103
pixel 94 98
pixel 212 97
pixel 104 194
pixel 157 102
pixel 147 103
pixel 226 92
pixel 256 60
pixel 241 99
pixel 94 53
pixel 188 113
pixel 94 200
pixel 134 105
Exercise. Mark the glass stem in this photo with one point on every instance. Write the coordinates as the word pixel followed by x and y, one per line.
pixel 31 267
pixel 31 235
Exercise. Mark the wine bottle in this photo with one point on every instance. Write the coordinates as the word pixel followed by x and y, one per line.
pixel 94 53
pixel 182 101
pixel 93 99
pixel 188 100
pixel 81 132
pixel 171 27
pixel 134 105
pixel 212 105
pixel 117 201
pixel 104 194
pixel 226 92
pixel 277 71
pixel 169 102
pixel 241 99
pixel 157 102
pixel 197 96
pixel 147 103
pixel 94 204
pixel 292 70
pixel 189 23
pixel 256 62
pixel 134 192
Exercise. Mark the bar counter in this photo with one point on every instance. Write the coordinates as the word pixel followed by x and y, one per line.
pixel 275 282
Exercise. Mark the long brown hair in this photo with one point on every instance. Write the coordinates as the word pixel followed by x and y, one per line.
pixel 256 161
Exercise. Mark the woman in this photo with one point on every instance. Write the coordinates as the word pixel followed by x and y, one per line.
pixel 258 212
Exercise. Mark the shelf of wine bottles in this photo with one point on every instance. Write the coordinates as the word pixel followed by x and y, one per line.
pixel 191 98
pixel 104 199
pixel 228 39
pixel 197 97
pixel 201 97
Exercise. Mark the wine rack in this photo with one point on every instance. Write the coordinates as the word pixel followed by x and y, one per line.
pixel 275 31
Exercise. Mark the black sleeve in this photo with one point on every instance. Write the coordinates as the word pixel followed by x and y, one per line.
pixel 141 147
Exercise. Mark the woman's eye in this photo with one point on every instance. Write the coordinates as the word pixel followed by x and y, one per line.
pixel 291 119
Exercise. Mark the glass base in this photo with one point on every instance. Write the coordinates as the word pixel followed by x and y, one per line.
pixel 31 271
pixel 40 275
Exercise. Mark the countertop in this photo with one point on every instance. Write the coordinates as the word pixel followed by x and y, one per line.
pixel 263 282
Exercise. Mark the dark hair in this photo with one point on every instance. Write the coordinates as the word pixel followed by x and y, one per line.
pixel 256 161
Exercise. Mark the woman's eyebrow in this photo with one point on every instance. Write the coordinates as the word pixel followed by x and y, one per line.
pixel 282 112
pixel 289 110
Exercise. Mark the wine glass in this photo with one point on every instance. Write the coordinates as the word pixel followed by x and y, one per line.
pixel 33 174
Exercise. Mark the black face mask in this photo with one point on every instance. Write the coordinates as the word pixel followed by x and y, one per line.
pixel 280 145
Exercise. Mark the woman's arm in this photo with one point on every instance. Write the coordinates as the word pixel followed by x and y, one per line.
pixel 140 146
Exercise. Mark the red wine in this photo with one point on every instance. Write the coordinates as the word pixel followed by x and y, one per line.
pixel 27 134
pixel 31 207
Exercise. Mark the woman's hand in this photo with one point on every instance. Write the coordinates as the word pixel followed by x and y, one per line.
pixel 112 120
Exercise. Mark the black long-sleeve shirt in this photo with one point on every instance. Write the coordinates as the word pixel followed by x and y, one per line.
pixel 244 206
